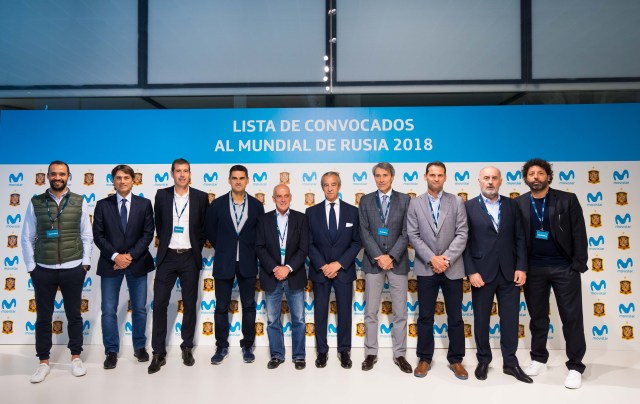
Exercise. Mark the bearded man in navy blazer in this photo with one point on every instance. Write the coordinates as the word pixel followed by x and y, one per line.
pixel 122 230
pixel 231 229
pixel 334 243
pixel 180 213
pixel 495 261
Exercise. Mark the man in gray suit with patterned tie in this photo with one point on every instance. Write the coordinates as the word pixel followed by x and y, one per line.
pixel 383 231
pixel 437 229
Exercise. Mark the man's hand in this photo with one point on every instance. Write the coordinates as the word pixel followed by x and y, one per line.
pixel 331 269
pixel 281 273
pixel 122 261
pixel 385 262
pixel 520 277
pixel 440 263
pixel 476 280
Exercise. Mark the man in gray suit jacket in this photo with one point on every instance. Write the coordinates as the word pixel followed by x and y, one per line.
pixel 437 229
pixel 383 231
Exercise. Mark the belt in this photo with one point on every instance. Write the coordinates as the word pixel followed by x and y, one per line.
pixel 180 250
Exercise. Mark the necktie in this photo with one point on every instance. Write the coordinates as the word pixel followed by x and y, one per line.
pixel 123 215
pixel 333 222
pixel 385 201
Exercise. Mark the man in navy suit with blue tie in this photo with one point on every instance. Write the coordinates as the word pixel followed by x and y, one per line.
pixel 495 261
pixel 123 229
pixel 334 242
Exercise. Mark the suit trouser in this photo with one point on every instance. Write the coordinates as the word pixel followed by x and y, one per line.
pixel 508 295
pixel 344 299
pixel 224 287
pixel 45 284
pixel 374 284
pixel 428 287
pixel 174 266
pixel 566 284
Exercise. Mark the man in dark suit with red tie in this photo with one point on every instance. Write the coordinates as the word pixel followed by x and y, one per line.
pixel 122 230
pixel 334 230
pixel 180 214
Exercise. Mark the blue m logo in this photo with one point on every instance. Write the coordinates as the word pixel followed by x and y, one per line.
pixel 161 178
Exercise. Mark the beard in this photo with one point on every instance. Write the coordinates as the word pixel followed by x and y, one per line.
pixel 58 185
pixel 490 193
pixel 537 186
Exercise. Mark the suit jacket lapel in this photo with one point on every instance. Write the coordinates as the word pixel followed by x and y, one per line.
pixel 116 209
pixel 485 212
pixel 427 211
pixel 551 201
pixel 342 222
pixel 526 214
pixel 325 221
pixel 445 206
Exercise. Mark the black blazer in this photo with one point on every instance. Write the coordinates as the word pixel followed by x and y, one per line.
pixel 221 232
pixel 568 229
pixel 110 237
pixel 198 202
pixel 344 249
pixel 268 249
pixel 489 250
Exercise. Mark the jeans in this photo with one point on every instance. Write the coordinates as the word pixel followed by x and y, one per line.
pixel 295 300
pixel 110 288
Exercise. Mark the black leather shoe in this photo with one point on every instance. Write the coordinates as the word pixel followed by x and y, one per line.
pixel 402 363
pixel 141 354
pixel 274 363
pixel 345 360
pixel 517 372
pixel 481 371
pixel 369 361
pixel 111 360
pixel 300 364
pixel 156 363
pixel 187 357
pixel 321 360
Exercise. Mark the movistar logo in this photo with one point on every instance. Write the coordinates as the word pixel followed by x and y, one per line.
pixel 235 326
pixel 14 219
pixel 600 331
pixel 384 329
pixel 207 263
pixel 128 327
pixel 410 177
pixel 332 329
pixel 309 177
pixel 631 307
pixel 467 307
pixel 13 178
pixel 413 307
pixel 623 219
pixel 29 326
pixel 358 263
pixel 593 242
pixel 440 330
pixel 286 327
pixel 87 282
pixel 359 177
pixel 308 306
pixel 161 178
pixel 89 198
pixel 359 306
pixel 597 286
pixel 551 329
pixel 460 177
pixel 594 197
pixel 86 325
pixel 514 176
pixel 178 327
pixel 211 177
pixel 58 304
pixel 204 306
pixel 8 304
pixel 495 329
pixel 262 303
pixel 411 263
pixel 11 262
pixel 260 177
pixel 619 176
pixel 109 179
pixel 567 176
pixel 523 307
pixel 621 264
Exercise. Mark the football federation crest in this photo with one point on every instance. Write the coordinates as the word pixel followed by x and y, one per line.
pixel 260 196
pixel 14 199
pixel 439 308
pixel 32 306
pixel 207 328
pixel 259 329
pixel 284 177
pixel 309 329
pixel 594 177
pixel 621 198
pixel 207 285
pixel 413 330
pixel 309 199
pixel 9 283
pixel 358 196
pixel 627 332
pixel 333 307
pixel 284 307
pixel 360 329
pixel 623 243
pixel 494 309
pixel 360 285
pixel 40 177
pixel 12 241
pixel 625 287
pixel 88 178
pixel 597 264
pixel 129 308
pixel 514 194
pixel 309 286
pixel 258 288
pixel 464 196
pixel 466 286
pixel 137 178
pixel 233 307
pixel 180 306
pixel 211 196
pixel 84 305
pixel 56 327
pixel 598 309
pixel 468 333
pixel 412 195
pixel 596 220
pixel 207 244
pixel 7 327
pixel 521 333
pixel 412 285
pixel 156 242
pixel 387 307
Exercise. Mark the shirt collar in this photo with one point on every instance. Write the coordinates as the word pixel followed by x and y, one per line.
pixel 119 198
pixel 487 201
pixel 327 203
pixel 435 199
pixel 387 194
pixel 175 194
pixel 286 214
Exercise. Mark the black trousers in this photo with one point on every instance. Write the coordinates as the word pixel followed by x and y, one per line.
pixel 567 288
pixel 428 287
pixel 223 288
pixel 344 300
pixel 45 284
pixel 174 266
pixel 508 295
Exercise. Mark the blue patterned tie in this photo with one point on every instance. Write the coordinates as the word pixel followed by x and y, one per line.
pixel 333 222
pixel 123 215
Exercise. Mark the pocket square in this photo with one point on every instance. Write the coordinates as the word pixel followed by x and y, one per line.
pixel 349 225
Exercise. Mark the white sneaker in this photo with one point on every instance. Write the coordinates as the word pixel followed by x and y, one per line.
pixel 41 373
pixel 535 368
pixel 77 368
pixel 573 380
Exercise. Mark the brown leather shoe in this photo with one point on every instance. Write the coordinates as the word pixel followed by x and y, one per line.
pixel 369 361
pixel 459 371
pixel 402 363
pixel 422 369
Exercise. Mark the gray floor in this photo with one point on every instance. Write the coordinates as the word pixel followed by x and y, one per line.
pixel 612 377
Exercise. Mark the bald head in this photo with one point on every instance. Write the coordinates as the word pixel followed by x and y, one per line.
pixel 282 197
pixel 490 180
